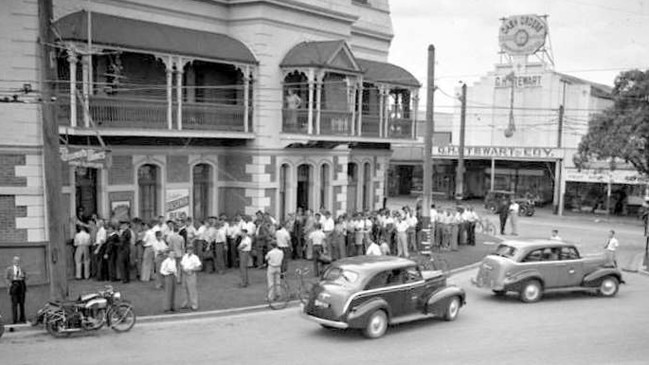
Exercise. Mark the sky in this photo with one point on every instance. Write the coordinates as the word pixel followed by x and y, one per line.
pixel 591 39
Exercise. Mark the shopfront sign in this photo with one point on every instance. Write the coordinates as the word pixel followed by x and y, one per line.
pixel 85 157
pixel 519 82
pixel 604 176
pixel 177 203
pixel 545 153
pixel 522 34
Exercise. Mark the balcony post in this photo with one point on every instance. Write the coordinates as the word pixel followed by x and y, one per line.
pixel 311 80
pixel 169 69
pixel 386 112
pixel 359 106
pixel 381 111
pixel 318 100
pixel 72 60
pixel 85 87
pixel 246 97
pixel 413 112
pixel 179 91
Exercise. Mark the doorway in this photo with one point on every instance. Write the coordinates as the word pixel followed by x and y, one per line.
pixel 352 186
pixel 304 184
pixel 86 190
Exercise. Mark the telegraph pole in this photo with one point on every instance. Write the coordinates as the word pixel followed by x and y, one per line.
pixel 56 258
pixel 459 174
pixel 428 139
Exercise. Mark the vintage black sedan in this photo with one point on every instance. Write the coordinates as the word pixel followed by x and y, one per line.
pixel 372 292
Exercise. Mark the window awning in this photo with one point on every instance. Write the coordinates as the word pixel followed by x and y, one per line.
pixel 387 73
pixel 334 55
pixel 110 30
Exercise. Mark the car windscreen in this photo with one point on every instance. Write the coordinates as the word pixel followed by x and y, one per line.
pixel 337 274
pixel 505 251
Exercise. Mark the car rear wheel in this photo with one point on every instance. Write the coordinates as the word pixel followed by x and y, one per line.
pixel 376 325
pixel 452 309
pixel 531 291
pixel 609 286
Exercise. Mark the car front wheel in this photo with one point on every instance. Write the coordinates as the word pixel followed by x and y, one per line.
pixel 531 291
pixel 452 309
pixel 609 286
pixel 376 325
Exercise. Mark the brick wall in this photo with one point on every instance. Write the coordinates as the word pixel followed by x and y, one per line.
pixel 232 167
pixel 271 194
pixel 8 163
pixel 177 169
pixel 271 167
pixel 8 214
pixel 121 171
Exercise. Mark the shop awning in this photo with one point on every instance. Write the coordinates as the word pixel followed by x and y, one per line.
pixel 110 30
pixel 387 73
pixel 334 55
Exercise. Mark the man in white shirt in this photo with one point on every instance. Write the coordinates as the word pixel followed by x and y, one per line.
pixel 82 253
pixel 148 256
pixel 412 228
pixel 100 239
pixel 15 278
pixel 169 270
pixel 317 239
pixel 402 236
pixel 244 248
pixel 611 245
pixel 513 217
pixel 283 239
pixel 373 249
pixel 274 259
pixel 190 265
pixel 159 249
pixel 220 239
pixel 328 225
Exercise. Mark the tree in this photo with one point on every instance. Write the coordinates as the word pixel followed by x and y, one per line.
pixel 621 132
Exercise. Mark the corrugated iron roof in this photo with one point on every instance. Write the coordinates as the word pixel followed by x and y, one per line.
pixel 388 73
pixel 136 34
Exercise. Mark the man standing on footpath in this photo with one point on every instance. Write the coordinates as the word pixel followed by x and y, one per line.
pixel 100 240
pixel 15 278
pixel 176 244
pixel 513 217
pixel 82 253
pixel 274 259
pixel 244 247
pixel 190 265
pixel 169 271
pixel 124 252
pixel 283 239
pixel 317 240
pixel 503 212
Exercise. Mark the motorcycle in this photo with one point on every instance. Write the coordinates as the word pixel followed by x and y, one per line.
pixel 88 313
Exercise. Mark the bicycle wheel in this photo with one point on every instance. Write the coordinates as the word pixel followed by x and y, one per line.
pixel 305 291
pixel 278 296
pixel 491 229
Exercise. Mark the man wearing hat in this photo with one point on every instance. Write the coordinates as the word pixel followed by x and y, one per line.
pixel 244 247
pixel 176 244
pixel 190 265
pixel 15 279
pixel 169 272
pixel 124 251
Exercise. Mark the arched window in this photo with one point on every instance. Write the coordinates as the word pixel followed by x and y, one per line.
pixel 283 187
pixel 148 181
pixel 304 186
pixel 325 184
pixel 367 186
pixel 202 178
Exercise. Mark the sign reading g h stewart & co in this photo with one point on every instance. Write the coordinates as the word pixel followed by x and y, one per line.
pixel 522 34
pixel 543 153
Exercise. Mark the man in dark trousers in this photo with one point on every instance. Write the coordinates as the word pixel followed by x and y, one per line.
pixel 503 213
pixel 112 244
pixel 124 252
pixel 15 277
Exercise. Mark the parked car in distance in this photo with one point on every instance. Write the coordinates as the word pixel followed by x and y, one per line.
pixel 493 198
pixel 532 267
pixel 372 292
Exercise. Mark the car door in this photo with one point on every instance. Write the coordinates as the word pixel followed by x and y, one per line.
pixel 389 286
pixel 416 292
pixel 570 269
pixel 541 261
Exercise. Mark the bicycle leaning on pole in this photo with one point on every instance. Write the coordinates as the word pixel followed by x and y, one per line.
pixel 280 294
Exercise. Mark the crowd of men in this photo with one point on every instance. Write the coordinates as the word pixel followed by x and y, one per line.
pixel 126 249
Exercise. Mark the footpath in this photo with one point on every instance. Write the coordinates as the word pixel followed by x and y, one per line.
pixel 219 294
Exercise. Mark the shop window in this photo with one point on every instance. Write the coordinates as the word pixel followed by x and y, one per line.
pixel 148 180
pixel 202 180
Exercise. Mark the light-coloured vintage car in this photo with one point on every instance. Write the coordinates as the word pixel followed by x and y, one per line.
pixel 531 267
pixel 372 292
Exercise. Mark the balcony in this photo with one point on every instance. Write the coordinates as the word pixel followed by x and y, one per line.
pixel 115 113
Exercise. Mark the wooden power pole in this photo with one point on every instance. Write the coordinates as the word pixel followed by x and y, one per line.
pixel 428 140
pixel 459 175
pixel 52 163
